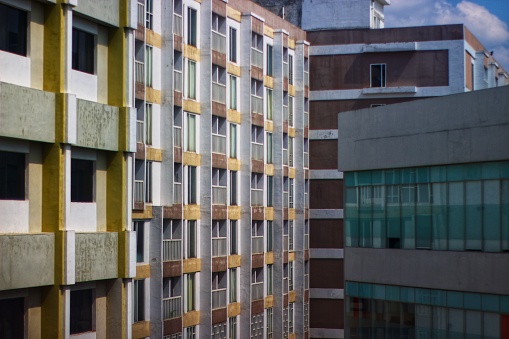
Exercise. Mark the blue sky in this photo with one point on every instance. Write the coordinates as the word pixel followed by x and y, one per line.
pixel 487 19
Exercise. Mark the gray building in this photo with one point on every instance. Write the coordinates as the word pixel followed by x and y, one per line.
pixel 427 217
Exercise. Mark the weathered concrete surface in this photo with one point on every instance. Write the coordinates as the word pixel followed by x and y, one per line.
pixel 97 125
pixel 462 128
pixel 292 9
pixel 26 260
pixel 104 10
pixel 96 256
pixel 333 14
pixel 27 113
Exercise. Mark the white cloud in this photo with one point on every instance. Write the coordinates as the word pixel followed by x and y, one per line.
pixel 501 54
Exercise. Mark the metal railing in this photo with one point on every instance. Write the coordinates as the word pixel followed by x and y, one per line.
pixel 139 70
pixel 138 190
pixel 172 249
pixel 218 247
pixel 257 291
pixel 256 58
pixel 141 14
pixel 256 104
pixel 218 92
pixel 172 307
pixel 218 195
pixel 218 42
pixel 177 136
pixel 285 242
pixel 256 151
pixel 177 24
pixel 256 197
pixel 177 80
pixel 219 298
pixel 257 245
pixel 219 143
pixel 139 131
pixel 177 193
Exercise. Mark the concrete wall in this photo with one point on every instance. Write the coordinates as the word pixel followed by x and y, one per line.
pixel 26 260
pixel 333 14
pixel 458 271
pixel 104 10
pixel 462 128
pixel 96 256
pixel 97 125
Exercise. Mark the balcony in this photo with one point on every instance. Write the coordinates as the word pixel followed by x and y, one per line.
pixel 256 58
pixel 256 104
pixel 257 291
pixel 256 197
pixel 219 298
pixel 219 92
pixel 138 191
pixel 218 195
pixel 139 71
pixel 177 80
pixel 177 24
pixel 177 193
pixel 172 249
pixel 219 144
pixel 257 151
pixel 172 307
pixel 177 136
pixel 257 244
pixel 218 247
pixel 219 42
pixel 139 131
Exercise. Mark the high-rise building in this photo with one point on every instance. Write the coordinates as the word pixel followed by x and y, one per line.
pixel 220 174
pixel 65 153
pixel 427 217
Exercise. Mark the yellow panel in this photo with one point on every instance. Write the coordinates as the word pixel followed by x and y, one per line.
pixel 291 336
pixel 192 212
pixel 291 90
pixel 233 69
pixel 269 258
pixel 291 256
pixel 269 126
pixel 291 43
pixel 291 132
pixel 143 271
pixel 153 95
pixel 191 265
pixel 233 309
pixel 191 159
pixel 291 214
pixel 291 172
pixel 234 212
pixel 291 296
pixel 141 329
pixel 268 31
pixel 269 213
pixel 233 14
pixel 192 106
pixel 269 301
pixel 145 214
pixel 152 38
pixel 269 169
pixel 234 116
pixel 268 81
pixel 154 154
pixel 191 52
pixel 234 261
pixel 191 318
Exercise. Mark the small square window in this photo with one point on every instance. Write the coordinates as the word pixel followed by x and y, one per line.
pixel 83 51
pixel 81 311
pixel 13 30
pixel 378 75
pixel 12 176
pixel 82 180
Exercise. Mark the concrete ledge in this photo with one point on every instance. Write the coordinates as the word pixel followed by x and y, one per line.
pixel 326 214
pixel 96 256
pixel 327 293
pixel 384 90
pixel 323 134
pixel 326 253
pixel 97 125
pixel 325 174
pixel 331 333
pixel 390 47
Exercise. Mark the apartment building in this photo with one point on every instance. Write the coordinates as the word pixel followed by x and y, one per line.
pixel 427 217
pixel 65 152
pixel 220 174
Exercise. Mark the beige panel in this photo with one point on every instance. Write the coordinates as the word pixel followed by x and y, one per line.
pixel 291 214
pixel 152 38
pixel 269 213
pixel 191 159
pixel 291 172
pixel 100 189
pixel 145 214
pixel 35 188
pixel 233 14
pixel 143 271
pixel 192 106
pixel 102 65
pixel 269 169
pixel 291 296
pixel 291 256
pixel 291 132
pixel 233 309
pixel 268 81
pixel 234 260
pixel 153 95
pixel 154 154
pixel 192 212
pixel 37 45
pixel 269 301
pixel 191 318
pixel 291 43
pixel 234 212
pixel 233 69
pixel 234 116
pixel 268 31
pixel 269 258
pixel 191 265
pixel 269 126
pixel 191 52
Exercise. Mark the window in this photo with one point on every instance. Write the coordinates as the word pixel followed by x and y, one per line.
pixel 138 300
pixel 270 191
pixel 148 65
pixel 268 94
pixel 218 33
pixel 148 14
pixel 232 55
pixel 81 311
pixel 257 326
pixel 270 236
pixel 191 80
pixel 12 176
pixel 290 276
pixel 234 249
pixel 306 317
pixel 12 318
pixel 378 75
pixel 285 191
pixel 270 159
pixel 172 292
pixel 232 328
pixel 191 131
pixel 219 230
pixel 233 141
pixel 148 123
pixel 218 135
pixel 148 181
pixel 257 236
pixel 138 227
pixel 233 92
pixel 190 332
pixel 257 50
pixel 191 239
pixel 290 317
pixel 233 187
pixel 177 183
pixel 257 189
pixel 13 30
pixel 190 292
pixel 192 185
pixel 218 290
pixel 83 51
pixel 290 111
pixel 178 64
pixel 285 149
pixel 177 126
pixel 256 96
pixel 270 278
pixel 270 323
pixel 290 151
pixel 192 27
pixel 290 235
pixel 257 142
pixel 172 235
pixel 270 53
pixel 82 180
pixel 219 331
pixel 290 69
pixel 285 322
pixel 306 153
pixel 285 278
pixel 219 180
pixel 233 285
pixel 290 193
pixel 218 84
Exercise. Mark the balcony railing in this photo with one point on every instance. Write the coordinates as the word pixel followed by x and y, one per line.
pixel 177 80
pixel 172 249
pixel 257 245
pixel 139 131
pixel 172 307
pixel 218 42
pixel 285 242
pixel 257 151
pixel 219 92
pixel 256 58
pixel 141 14
pixel 219 144
pixel 139 69
pixel 257 291
pixel 218 247
pixel 177 193
pixel 138 190
pixel 177 24
pixel 177 136
pixel 219 298
pixel 256 197
pixel 256 104
pixel 218 195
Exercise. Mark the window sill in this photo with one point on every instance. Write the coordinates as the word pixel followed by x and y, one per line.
pixel 387 90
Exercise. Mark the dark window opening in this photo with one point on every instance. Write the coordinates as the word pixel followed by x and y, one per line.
pixel 13 30
pixel 12 176
pixel 83 51
pixel 82 180
pixel 378 75
pixel 81 311
pixel 12 318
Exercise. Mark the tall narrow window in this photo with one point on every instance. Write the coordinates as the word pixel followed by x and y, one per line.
pixel 13 30
pixel 149 16
pixel 233 92
pixel 256 142
pixel 233 187
pixel 191 133
pixel 83 51
pixel 191 239
pixel 148 123
pixel 12 176
pixel 256 189
pixel 233 141
pixel 148 65
pixel 218 84
pixel 192 185
pixel 268 94
pixel 138 300
pixel 232 55
pixel 233 285
pixel 290 151
pixel 270 236
pixel 270 51
pixel 192 27
pixel 270 159
pixel 12 317
pixel 290 69
pixel 270 191
pixel 190 293
pixel 148 181
pixel 270 323
pixel 233 238
pixel 82 180
pixel 232 328
pixel 138 227
pixel 270 277
pixel 219 181
pixel 290 193
pixel 191 79
pixel 378 75
pixel 81 312
pixel 218 135
pixel 218 33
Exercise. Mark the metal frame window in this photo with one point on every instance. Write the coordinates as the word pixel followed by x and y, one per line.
pixel 232 282
pixel 232 50
pixel 219 127
pixel 190 292
pixel 233 238
pixel 233 188
pixel 192 27
pixel 219 238
pixel 219 284
pixel 191 250
pixel 257 189
pixel 83 51
pixel 191 196
pixel 378 75
pixel 219 181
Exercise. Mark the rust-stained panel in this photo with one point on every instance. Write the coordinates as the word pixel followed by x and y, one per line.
pixel 257 307
pixel 326 233
pixel 219 58
pixel 326 273
pixel 219 264
pixel 219 315
pixel 323 154
pixel 219 7
pixel 219 161
pixel 172 326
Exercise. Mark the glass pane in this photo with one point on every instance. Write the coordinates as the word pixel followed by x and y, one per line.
pixel 491 326
pixel 491 216
pixel 440 324
pixel 473 215
pixel 423 321
pixel 351 217
pixel 439 216
pixel 456 216
pixel 505 215
pixel 423 216
pixel 379 232
pixel 473 325
pixel 408 198
pixel 456 324
pixel 393 217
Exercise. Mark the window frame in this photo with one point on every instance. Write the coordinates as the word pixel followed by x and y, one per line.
pixel 383 75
